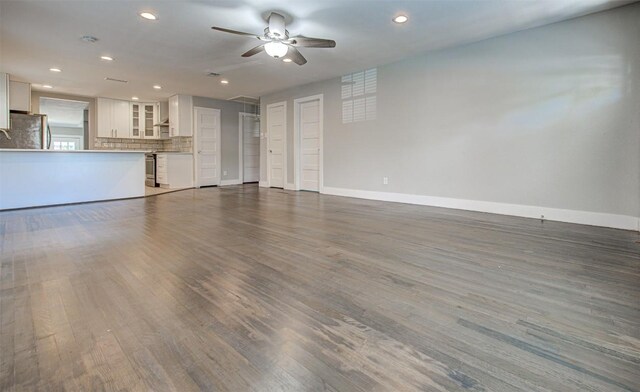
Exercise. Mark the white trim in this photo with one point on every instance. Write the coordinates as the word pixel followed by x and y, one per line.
pixel 296 139
pixel 284 144
pixel 235 181
pixel 194 132
pixel 263 184
pixel 290 186
pixel 554 214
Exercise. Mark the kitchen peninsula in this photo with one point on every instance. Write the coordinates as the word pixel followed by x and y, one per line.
pixel 32 178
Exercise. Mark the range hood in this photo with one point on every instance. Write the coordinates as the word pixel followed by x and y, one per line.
pixel 164 123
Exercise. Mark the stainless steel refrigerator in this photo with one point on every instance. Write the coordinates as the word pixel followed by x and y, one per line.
pixel 26 131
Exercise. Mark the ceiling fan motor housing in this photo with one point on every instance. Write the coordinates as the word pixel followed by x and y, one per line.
pixel 277 28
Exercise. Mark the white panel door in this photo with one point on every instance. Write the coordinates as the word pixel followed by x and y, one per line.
pixel 251 149
pixel 276 130
pixel 310 146
pixel 207 128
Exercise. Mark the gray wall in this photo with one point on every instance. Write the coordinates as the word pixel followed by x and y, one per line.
pixel 546 117
pixel 229 122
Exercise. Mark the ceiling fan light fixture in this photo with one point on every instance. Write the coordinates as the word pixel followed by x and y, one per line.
pixel 287 60
pixel 276 49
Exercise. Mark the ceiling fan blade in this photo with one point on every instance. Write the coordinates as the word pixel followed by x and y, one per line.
pixel 296 56
pixel 234 32
pixel 308 42
pixel 253 51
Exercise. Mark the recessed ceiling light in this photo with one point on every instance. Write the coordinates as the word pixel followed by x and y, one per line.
pixel 287 60
pixel 107 58
pixel 134 98
pixel 224 81
pixel 400 19
pixel 47 86
pixel 157 87
pixel 55 70
pixel 148 15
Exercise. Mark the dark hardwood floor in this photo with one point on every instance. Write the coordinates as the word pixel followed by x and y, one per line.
pixel 242 289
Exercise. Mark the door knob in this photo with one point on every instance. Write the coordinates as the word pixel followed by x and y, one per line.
pixel 271 151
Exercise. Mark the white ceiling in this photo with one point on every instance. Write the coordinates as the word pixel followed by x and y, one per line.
pixel 63 113
pixel 177 50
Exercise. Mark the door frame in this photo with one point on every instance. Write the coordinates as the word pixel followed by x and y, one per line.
pixel 284 145
pixel 297 156
pixel 241 117
pixel 196 160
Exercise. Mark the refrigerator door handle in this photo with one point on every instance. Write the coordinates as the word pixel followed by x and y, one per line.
pixel 49 137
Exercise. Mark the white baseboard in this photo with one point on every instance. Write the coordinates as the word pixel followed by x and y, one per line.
pixel 263 184
pixel 230 182
pixel 554 214
pixel 290 186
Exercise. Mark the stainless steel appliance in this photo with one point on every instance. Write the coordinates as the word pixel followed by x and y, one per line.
pixel 26 131
pixel 150 170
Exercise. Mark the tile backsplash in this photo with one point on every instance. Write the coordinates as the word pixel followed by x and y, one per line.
pixel 181 144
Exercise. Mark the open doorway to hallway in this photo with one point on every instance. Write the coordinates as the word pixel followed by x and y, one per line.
pixel 68 121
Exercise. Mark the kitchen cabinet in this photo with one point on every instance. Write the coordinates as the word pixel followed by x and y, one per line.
pixel 180 115
pixel 20 96
pixel 143 118
pixel 4 100
pixel 174 170
pixel 114 118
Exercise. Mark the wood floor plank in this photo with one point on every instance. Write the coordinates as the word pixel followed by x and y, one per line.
pixel 249 289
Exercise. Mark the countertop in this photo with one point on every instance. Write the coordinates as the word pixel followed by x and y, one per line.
pixel 74 151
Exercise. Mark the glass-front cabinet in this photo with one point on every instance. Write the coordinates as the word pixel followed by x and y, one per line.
pixel 143 118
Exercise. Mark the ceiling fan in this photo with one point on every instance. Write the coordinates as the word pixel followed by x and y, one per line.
pixel 277 42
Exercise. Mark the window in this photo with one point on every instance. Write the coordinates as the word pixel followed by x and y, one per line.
pixel 359 96
pixel 62 143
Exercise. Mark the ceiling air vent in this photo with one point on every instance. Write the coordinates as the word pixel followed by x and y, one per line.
pixel 116 80
pixel 246 100
pixel 89 38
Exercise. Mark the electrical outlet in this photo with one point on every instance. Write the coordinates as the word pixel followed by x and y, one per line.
pixel 385 180
pixel 224 172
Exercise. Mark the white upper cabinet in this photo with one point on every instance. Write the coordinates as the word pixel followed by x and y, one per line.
pixel 143 118
pixel 20 96
pixel 181 115
pixel 114 118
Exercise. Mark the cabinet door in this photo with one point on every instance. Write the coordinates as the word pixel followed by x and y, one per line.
pixel 135 119
pixel 104 117
pixel 173 116
pixel 121 119
pixel 149 112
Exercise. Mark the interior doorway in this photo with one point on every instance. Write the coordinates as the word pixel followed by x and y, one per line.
pixel 207 155
pixel 307 139
pixel 276 144
pixel 68 121
pixel 249 147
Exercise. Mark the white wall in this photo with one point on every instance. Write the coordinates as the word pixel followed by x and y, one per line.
pixel 544 121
